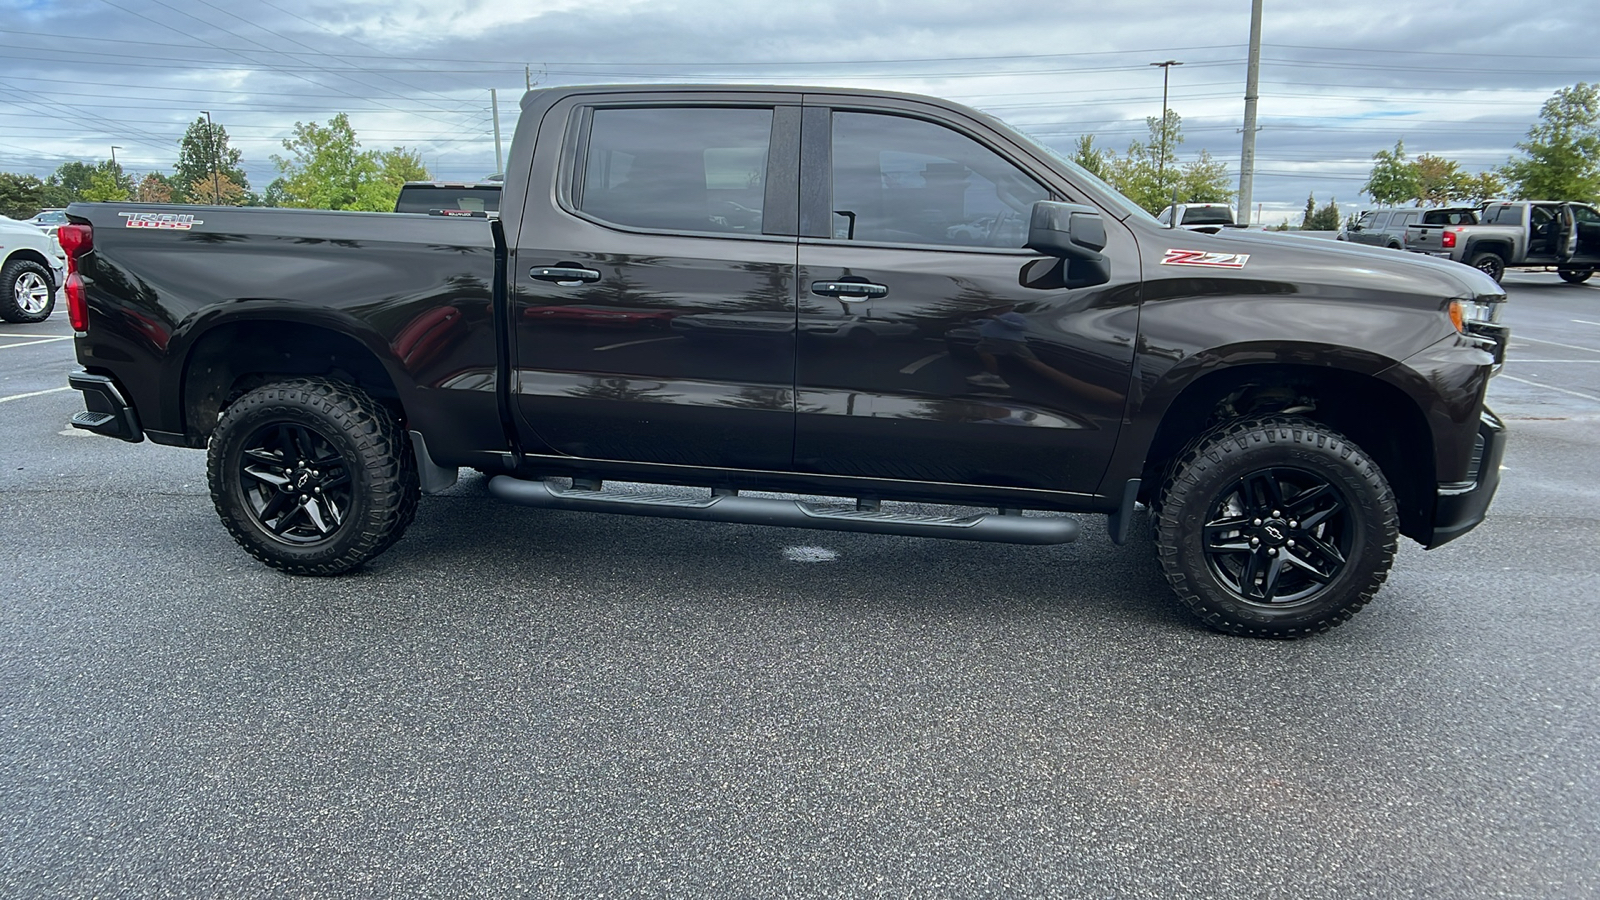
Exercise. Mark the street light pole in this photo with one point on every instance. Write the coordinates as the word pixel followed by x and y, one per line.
pixel 216 160
pixel 1161 161
pixel 114 149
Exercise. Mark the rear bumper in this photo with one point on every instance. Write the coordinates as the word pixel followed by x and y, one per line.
pixel 1461 506
pixel 107 410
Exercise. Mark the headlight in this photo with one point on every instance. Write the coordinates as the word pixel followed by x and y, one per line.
pixel 1464 313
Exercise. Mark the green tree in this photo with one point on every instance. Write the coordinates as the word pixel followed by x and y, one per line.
pixel 1094 160
pixel 1561 157
pixel 1439 181
pixel 327 166
pixel 1482 187
pixel 1149 174
pixel 67 183
pixel 1393 179
pixel 21 196
pixel 108 183
pixel 1323 218
pixel 204 154
pixel 1205 180
pixel 396 166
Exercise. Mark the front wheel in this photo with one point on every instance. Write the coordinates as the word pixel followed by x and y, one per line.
pixel 26 293
pixel 1277 527
pixel 1489 263
pixel 311 476
pixel 1574 276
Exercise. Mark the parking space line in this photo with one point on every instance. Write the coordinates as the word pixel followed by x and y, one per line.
pixel 1550 387
pixel 1523 337
pixel 1585 322
pixel 917 366
pixel 35 341
pixel 34 394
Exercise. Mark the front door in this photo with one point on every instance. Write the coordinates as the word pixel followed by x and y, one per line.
pixel 654 302
pixel 933 347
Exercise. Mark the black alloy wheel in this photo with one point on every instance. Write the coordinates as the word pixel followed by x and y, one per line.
pixel 1574 276
pixel 312 476
pixel 294 483
pixel 1278 535
pixel 1278 527
pixel 1489 263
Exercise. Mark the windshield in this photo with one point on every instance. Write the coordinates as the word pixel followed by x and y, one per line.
pixel 1208 215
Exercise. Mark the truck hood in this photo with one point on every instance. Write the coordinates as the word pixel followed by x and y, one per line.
pixel 1439 277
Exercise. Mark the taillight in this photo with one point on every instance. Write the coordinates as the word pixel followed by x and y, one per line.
pixel 76 240
pixel 1447 238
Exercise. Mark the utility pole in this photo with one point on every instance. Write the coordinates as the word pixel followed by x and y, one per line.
pixel 527 76
pixel 494 105
pixel 1252 78
pixel 216 160
pixel 1161 161
pixel 114 149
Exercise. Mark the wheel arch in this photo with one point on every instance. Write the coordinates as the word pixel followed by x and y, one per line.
pixel 28 254
pixel 1498 246
pixel 1377 415
pixel 231 356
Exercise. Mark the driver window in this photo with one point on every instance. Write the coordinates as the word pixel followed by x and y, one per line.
pixel 906 181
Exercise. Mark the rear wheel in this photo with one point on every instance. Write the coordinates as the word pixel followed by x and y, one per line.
pixel 1276 527
pixel 311 476
pixel 27 294
pixel 1574 276
pixel 1489 263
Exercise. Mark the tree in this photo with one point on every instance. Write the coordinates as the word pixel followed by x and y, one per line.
pixel 1393 179
pixel 1482 187
pixel 154 188
pixel 107 184
pixel 1561 157
pixel 1205 180
pixel 217 190
pixel 327 167
pixel 1094 160
pixel 330 171
pixel 1439 180
pixel 396 166
pixel 1149 173
pixel 204 154
pixel 21 196
pixel 66 184
pixel 1325 218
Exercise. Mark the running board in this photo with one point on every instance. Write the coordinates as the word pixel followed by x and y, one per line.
pixel 729 506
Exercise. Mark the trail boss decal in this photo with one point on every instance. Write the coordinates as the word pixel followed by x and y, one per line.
pixel 1207 260
pixel 168 221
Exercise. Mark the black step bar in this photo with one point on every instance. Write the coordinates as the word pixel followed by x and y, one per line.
pixel 730 506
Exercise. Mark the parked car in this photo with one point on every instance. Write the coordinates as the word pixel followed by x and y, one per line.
pixel 49 219
pixel 1386 227
pixel 1286 409
pixel 31 268
pixel 449 197
pixel 1519 234
pixel 1209 218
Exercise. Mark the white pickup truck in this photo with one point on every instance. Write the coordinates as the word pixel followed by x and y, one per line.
pixel 31 268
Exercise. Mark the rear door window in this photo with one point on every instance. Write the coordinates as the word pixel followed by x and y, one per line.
pixel 698 169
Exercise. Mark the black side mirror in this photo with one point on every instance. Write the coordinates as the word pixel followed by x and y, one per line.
pixel 1068 230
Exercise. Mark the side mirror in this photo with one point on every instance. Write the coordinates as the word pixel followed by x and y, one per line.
pixel 1068 230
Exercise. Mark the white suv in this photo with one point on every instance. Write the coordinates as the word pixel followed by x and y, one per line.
pixel 31 269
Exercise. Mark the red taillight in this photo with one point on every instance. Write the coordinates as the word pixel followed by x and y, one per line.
pixel 76 240
pixel 1447 238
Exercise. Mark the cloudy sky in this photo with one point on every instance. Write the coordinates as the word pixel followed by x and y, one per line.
pixel 1339 81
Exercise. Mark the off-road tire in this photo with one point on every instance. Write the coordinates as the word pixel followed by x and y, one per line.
pixel 309 433
pixel 1489 263
pixel 27 292
pixel 1208 493
pixel 1574 276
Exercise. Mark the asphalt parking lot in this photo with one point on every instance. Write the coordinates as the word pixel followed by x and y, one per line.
pixel 518 703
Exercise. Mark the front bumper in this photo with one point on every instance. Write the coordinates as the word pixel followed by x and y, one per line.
pixel 107 411
pixel 1460 506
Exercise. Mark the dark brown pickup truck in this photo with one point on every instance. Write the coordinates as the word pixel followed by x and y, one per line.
pixel 816 292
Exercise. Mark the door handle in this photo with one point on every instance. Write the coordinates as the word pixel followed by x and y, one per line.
pixel 849 291
pixel 564 275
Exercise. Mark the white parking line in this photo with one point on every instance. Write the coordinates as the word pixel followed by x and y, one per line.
pixel 34 394
pixel 1551 387
pixel 1523 337
pixel 26 343
pixel 1585 322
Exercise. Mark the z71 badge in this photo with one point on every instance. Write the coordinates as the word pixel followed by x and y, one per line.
pixel 1207 260
pixel 169 221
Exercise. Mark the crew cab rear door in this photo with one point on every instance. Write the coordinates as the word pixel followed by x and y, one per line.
pixel 653 310
pixel 932 346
